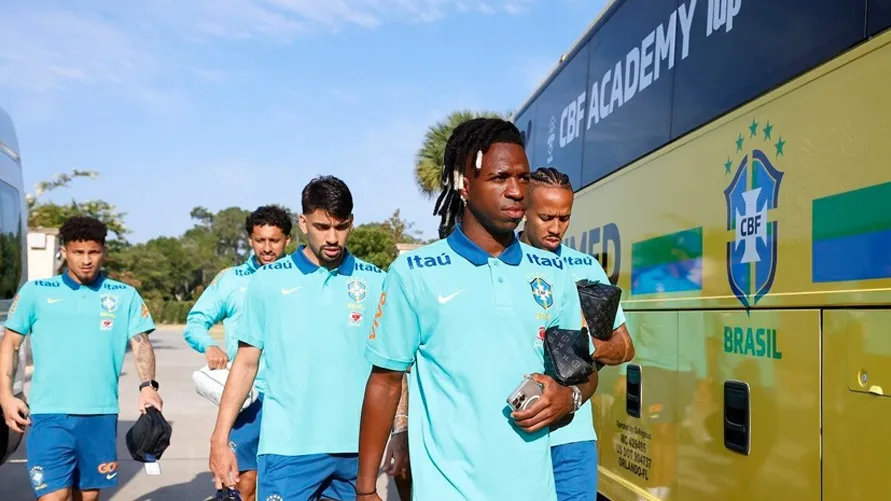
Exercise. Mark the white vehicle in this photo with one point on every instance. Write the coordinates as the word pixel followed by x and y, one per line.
pixel 13 255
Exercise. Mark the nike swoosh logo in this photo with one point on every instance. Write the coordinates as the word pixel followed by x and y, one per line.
pixel 111 475
pixel 288 291
pixel 446 299
pixel 51 300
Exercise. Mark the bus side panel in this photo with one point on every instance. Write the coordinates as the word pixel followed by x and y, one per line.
pixel 639 455
pixel 857 407
pixel 776 354
pixel 785 203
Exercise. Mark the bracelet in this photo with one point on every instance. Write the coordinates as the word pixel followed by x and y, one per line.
pixel 576 398
pixel 366 493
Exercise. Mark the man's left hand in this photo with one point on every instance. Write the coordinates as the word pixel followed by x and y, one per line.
pixel 554 404
pixel 149 397
pixel 396 457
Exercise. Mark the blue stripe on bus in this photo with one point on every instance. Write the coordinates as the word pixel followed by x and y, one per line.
pixel 855 257
pixel 679 276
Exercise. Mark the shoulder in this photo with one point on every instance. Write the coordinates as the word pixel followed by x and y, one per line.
pixel 425 260
pixel 583 265
pixel 221 275
pixel 365 269
pixel 112 285
pixel 42 284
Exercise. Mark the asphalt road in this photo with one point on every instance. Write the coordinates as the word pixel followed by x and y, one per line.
pixel 184 473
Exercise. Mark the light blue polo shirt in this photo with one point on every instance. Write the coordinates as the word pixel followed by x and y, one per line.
pixel 472 324
pixel 311 324
pixel 79 336
pixel 582 267
pixel 223 300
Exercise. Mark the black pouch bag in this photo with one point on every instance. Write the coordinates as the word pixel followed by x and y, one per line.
pixel 567 355
pixel 600 304
pixel 149 436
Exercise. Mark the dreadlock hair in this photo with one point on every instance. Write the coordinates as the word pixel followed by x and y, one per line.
pixel 551 177
pixel 475 136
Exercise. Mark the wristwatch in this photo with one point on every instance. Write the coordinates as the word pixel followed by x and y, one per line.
pixel 151 382
pixel 576 398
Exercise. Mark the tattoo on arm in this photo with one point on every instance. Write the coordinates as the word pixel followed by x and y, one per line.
pixel 144 355
pixel 401 420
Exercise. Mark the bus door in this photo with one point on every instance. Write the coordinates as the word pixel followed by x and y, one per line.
pixel 856 404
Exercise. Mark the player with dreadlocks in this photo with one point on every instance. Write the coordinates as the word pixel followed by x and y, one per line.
pixel 477 301
pixel 548 212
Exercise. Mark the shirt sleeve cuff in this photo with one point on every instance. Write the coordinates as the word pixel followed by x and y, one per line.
pixel 385 362
pixel 251 340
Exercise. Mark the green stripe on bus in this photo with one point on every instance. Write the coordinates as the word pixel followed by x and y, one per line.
pixel 852 213
pixel 671 248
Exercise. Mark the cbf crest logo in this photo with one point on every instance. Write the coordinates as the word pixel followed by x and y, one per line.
pixel 109 303
pixel 357 290
pixel 36 475
pixel 541 292
pixel 751 196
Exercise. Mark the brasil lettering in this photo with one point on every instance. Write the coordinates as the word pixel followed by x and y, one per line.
pixel 643 65
pixel 632 448
pixel 752 342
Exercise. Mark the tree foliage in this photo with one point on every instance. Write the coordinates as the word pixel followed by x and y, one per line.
pixel 429 158
pixel 177 269
pixel 44 214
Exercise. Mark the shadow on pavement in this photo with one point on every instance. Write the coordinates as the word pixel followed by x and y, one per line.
pixel 197 489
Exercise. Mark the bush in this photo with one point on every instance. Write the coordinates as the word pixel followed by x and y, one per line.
pixel 169 312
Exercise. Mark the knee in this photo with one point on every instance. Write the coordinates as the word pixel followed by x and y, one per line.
pixel 247 485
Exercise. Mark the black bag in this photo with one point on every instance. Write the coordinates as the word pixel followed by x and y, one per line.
pixel 567 355
pixel 149 436
pixel 600 303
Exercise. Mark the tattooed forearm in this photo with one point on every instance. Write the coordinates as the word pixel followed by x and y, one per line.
pixel 400 422
pixel 9 361
pixel 144 355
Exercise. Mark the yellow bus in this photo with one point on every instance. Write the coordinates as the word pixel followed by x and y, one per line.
pixel 731 166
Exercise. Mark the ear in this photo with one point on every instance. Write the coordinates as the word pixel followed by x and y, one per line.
pixel 301 221
pixel 464 188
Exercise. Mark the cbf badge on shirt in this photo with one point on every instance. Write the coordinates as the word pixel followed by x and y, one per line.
pixel 357 291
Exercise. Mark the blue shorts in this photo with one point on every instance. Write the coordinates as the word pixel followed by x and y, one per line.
pixel 575 471
pixel 72 451
pixel 314 476
pixel 244 439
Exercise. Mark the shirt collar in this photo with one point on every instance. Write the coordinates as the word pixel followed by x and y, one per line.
pixel 470 251
pixel 347 264
pixel 253 263
pixel 73 285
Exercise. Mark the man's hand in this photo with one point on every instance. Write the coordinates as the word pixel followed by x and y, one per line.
pixel 396 457
pixel 222 463
pixel 554 404
pixel 15 413
pixel 216 358
pixel 149 397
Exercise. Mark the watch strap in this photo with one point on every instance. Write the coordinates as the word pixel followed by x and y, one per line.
pixel 151 382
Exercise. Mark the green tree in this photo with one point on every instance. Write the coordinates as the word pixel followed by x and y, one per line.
pixel 399 229
pixel 429 158
pixel 52 215
pixel 368 242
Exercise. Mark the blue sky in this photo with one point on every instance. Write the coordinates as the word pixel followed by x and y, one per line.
pixel 240 102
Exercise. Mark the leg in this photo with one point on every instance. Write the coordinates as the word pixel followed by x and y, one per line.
pixel 343 482
pixel 575 471
pixel 247 485
pixel 90 495
pixel 97 456
pixel 245 440
pixel 293 477
pixel 51 458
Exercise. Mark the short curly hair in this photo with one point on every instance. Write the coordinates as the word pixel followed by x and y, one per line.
pixel 269 215
pixel 83 228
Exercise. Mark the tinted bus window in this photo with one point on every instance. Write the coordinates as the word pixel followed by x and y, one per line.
pixel 879 16
pixel 629 85
pixel 751 46
pixel 559 120
pixel 10 241
pixel 526 123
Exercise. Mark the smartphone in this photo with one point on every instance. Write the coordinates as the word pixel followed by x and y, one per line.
pixel 525 395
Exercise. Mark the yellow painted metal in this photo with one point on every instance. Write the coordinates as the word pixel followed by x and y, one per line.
pixel 856 407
